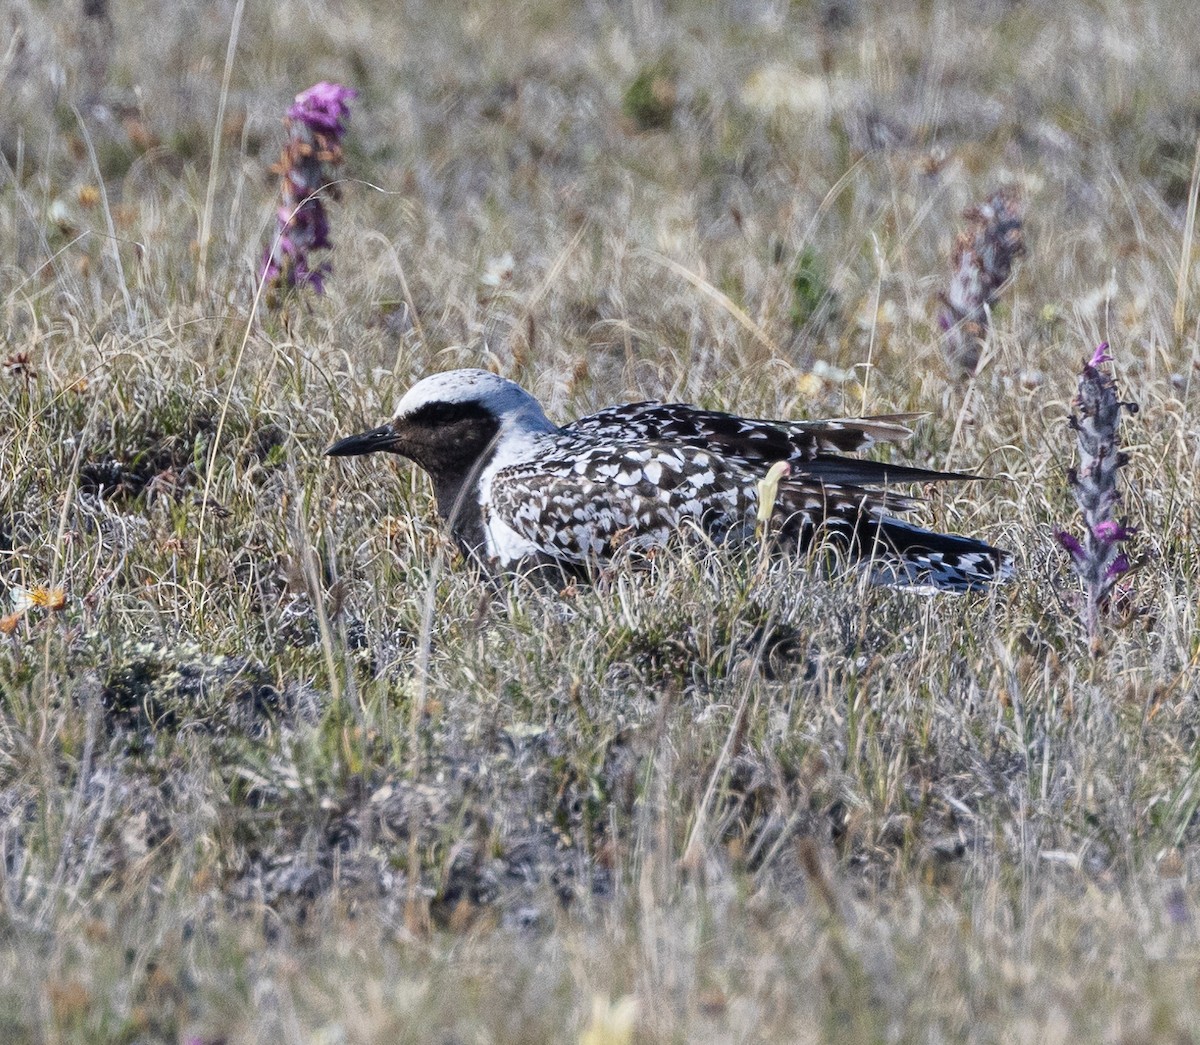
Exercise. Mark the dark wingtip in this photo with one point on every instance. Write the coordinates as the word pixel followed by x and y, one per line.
pixel 381 438
pixel 831 468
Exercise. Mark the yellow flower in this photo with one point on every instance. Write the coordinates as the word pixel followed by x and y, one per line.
pixel 25 599
pixel 43 598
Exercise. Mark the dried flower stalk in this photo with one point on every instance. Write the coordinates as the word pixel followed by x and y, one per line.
pixel 983 257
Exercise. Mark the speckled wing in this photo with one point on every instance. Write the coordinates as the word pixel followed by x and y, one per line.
pixel 805 507
pixel 811 447
pixel 588 499
pixel 579 502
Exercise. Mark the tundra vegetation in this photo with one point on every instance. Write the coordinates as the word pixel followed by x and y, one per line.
pixel 273 767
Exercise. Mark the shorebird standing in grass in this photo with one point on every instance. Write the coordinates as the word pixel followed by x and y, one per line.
pixel 519 492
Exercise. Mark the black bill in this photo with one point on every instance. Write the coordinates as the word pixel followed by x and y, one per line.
pixel 381 438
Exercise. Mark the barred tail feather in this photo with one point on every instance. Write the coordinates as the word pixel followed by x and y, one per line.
pixel 909 556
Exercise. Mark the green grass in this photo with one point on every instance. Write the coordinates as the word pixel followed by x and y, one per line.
pixel 282 770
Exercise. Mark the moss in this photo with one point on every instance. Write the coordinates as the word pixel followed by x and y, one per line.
pixel 813 300
pixel 649 99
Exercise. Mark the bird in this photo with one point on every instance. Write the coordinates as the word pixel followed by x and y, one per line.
pixel 521 494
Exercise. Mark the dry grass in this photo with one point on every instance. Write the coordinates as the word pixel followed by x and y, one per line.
pixel 280 771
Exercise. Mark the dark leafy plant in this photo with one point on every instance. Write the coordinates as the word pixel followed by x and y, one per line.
pixel 649 99
pixel 812 296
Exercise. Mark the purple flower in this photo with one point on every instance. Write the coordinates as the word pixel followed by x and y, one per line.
pixel 311 223
pixel 1101 355
pixel 312 277
pixel 1110 531
pixel 1118 566
pixel 1071 544
pixel 323 107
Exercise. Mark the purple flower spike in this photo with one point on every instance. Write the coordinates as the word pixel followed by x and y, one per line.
pixel 1118 566
pixel 1097 559
pixel 316 123
pixel 323 107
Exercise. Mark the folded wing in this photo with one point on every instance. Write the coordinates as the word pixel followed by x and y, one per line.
pixel 812 448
